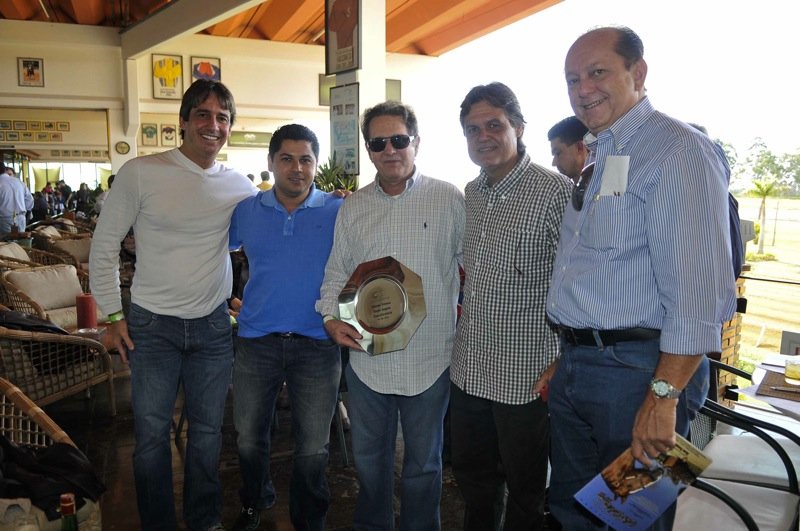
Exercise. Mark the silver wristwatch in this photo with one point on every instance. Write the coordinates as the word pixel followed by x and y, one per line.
pixel 664 389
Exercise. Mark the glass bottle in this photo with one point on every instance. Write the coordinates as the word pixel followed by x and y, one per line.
pixel 69 519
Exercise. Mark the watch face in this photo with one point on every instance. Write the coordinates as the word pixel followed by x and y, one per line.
pixel 122 148
pixel 663 389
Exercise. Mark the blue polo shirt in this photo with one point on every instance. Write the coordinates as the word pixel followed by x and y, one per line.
pixel 287 254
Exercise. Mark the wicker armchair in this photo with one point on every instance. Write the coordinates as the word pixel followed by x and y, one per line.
pixel 49 367
pixel 48 292
pixel 37 256
pixel 24 423
pixel 72 247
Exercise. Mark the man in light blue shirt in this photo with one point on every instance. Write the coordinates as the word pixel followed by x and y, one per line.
pixel 642 280
pixel 15 201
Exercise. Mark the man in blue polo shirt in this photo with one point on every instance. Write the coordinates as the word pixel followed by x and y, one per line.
pixel 287 234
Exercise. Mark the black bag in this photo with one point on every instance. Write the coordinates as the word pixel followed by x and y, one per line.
pixel 44 474
pixel 31 323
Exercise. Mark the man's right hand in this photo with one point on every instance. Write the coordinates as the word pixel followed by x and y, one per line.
pixel 122 341
pixel 343 334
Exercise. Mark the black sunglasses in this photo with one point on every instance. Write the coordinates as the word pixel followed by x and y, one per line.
pixel 580 190
pixel 378 144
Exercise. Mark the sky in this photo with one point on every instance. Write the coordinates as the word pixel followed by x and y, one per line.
pixel 726 65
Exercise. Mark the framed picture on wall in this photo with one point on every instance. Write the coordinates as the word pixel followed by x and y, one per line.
pixel 149 134
pixel 30 71
pixel 344 126
pixel 49 126
pixel 5 125
pixel 34 125
pixel 169 135
pixel 2 136
pixel 42 136
pixel 342 36
pixel 208 68
pixel 26 136
pixel 62 126
pixel 12 136
pixel 20 125
pixel 56 137
pixel 167 77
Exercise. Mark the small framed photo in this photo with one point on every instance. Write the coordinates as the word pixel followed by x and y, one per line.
pixel 26 136
pixel 62 126
pixel 169 135
pixel 42 136
pixel 34 125
pixel 207 68
pixel 65 153
pixel 167 77
pixel 20 125
pixel 2 136
pixel 56 137
pixel 5 125
pixel 12 136
pixel 149 134
pixel 30 71
pixel 49 126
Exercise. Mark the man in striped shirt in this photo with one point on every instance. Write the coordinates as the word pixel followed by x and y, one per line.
pixel 642 280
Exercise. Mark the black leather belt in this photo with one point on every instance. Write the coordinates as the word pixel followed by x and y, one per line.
pixel 586 337
pixel 288 335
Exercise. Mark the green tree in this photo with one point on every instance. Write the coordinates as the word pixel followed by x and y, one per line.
pixel 768 171
pixel 763 189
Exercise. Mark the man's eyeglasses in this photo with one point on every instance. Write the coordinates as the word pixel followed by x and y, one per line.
pixel 378 144
pixel 580 190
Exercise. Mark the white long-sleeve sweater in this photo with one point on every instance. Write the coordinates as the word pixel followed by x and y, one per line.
pixel 180 215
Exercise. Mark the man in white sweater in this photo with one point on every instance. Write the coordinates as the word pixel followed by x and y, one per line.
pixel 179 204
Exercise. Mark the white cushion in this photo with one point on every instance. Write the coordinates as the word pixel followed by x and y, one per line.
pixel 771 509
pixel 14 250
pixel 48 231
pixel 78 248
pixel 51 287
pixel 749 459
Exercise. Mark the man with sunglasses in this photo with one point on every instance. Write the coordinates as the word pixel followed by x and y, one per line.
pixel 419 221
pixel 642 280
pixel 499 427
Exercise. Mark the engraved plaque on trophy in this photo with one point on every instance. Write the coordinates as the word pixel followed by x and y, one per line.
pixel 384 301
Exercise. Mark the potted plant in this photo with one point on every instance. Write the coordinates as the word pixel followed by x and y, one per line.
pixel 331 176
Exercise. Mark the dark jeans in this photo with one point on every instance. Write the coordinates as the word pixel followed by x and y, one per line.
pixel 199 353
pixel 494 443
pixel 594 397
pixel 312 369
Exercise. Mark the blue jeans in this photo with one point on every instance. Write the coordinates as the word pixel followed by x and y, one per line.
pixel 312 370
pixel 594 397
pixel 168 351
pixel 373 418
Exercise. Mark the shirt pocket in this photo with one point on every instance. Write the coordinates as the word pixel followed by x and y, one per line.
pixel 611 222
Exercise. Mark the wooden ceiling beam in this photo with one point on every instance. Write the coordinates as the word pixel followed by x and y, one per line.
pixel 242 25
pixel 286 20
pixel 21 10
pixel 86 11
pixel 492 16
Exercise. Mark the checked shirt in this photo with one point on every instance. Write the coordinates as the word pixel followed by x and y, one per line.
pixel 503 341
